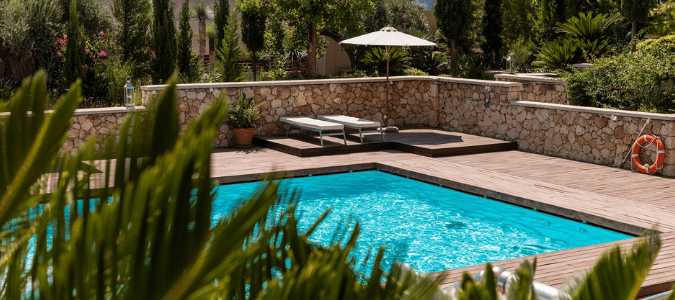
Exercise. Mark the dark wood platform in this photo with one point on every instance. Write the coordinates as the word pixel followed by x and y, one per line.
pixel 426 142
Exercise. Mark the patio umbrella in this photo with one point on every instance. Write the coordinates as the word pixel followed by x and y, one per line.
pixel 388 37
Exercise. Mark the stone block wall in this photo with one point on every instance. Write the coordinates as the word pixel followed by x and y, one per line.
pixel 538 89
pixel 95 122
pixel 413 100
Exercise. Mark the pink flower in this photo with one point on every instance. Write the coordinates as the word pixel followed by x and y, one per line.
pixel 86 51
pixel 103 54
pixel 59 54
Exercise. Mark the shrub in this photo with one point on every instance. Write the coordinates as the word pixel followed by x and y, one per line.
pixel 557 54
pixel 631 81
pixel 116 75
pixel 665 44
pixel 432 62
pixel 29 26
pixel 467 65
pixel 414 72
pixel 521 51
pixel 375 59
pixel 7 88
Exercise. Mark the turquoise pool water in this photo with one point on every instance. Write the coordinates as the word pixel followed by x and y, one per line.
pixel 426 226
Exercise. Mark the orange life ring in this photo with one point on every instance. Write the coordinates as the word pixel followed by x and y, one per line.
pixel 660 154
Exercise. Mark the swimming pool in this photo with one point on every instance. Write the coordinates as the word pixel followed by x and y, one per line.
pixel 426 226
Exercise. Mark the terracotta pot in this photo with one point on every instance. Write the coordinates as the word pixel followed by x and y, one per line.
pixel 243 137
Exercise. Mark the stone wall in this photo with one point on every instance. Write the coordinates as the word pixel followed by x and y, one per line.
pixel 601 136
pixel 413 100
pixel 488 108
pixel 95 122
pixel 537 88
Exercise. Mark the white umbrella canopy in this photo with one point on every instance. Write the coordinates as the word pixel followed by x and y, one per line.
pixel 388 37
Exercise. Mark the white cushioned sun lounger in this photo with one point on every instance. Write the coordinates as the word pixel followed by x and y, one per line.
pixel 355 123
pixel 314 125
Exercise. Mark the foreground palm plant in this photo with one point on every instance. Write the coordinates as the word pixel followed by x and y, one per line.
pixel 131 219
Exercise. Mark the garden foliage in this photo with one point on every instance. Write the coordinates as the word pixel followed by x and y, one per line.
pixel 153 237
pixel 229 55
pixel 220 20
pixel 74 47
pixel 134 35
pixel 164 41
pixel 242 113
pixel 253 22
pixel 492 27
pixel 375 59
pixel 184 40
pixel 454 18
pixel 641 80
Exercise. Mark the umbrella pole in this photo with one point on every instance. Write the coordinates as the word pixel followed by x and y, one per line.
pixel 387 102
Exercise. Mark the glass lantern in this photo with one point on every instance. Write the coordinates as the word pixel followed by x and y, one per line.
pixel 510 61
pixel 129 93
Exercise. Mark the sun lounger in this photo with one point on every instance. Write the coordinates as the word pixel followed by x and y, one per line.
pixel 314 125
pixel 355 123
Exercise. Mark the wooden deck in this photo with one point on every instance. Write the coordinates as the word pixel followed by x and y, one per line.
pixel 427 142
pixel 610 197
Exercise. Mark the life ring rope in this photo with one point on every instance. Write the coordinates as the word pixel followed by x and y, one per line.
pixel 644 142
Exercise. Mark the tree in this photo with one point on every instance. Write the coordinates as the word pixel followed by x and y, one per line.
pixel 134 19
pixel 405 15
pixel 202 13
pixel 492 30
pixel 185 40
pixel 220 18
pixel 229 54
pixel 453 18
pixel 547 19
pixel 635 11
pixel 74 47
pixel 253 21
pixel 164 40
pixel 325 16
pixel 520 16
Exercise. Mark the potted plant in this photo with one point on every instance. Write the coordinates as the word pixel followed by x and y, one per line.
pixel 242 116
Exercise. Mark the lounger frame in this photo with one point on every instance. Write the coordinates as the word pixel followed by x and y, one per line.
pixel 320 131
pixel 360 129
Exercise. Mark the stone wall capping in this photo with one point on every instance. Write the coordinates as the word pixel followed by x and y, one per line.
pixel 92 111
pixel 221 85
pixel 602 111
pixel 107 110
pixel 534 78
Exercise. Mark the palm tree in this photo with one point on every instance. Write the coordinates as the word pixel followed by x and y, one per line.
pixel 203 13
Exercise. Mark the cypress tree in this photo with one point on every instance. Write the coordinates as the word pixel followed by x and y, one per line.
pixel 164 40
pixel 453 18
pixel 221 16
pixel 75 47
pixel 134 19
pixel 492 30
pixel 185 40
pixel 253 21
